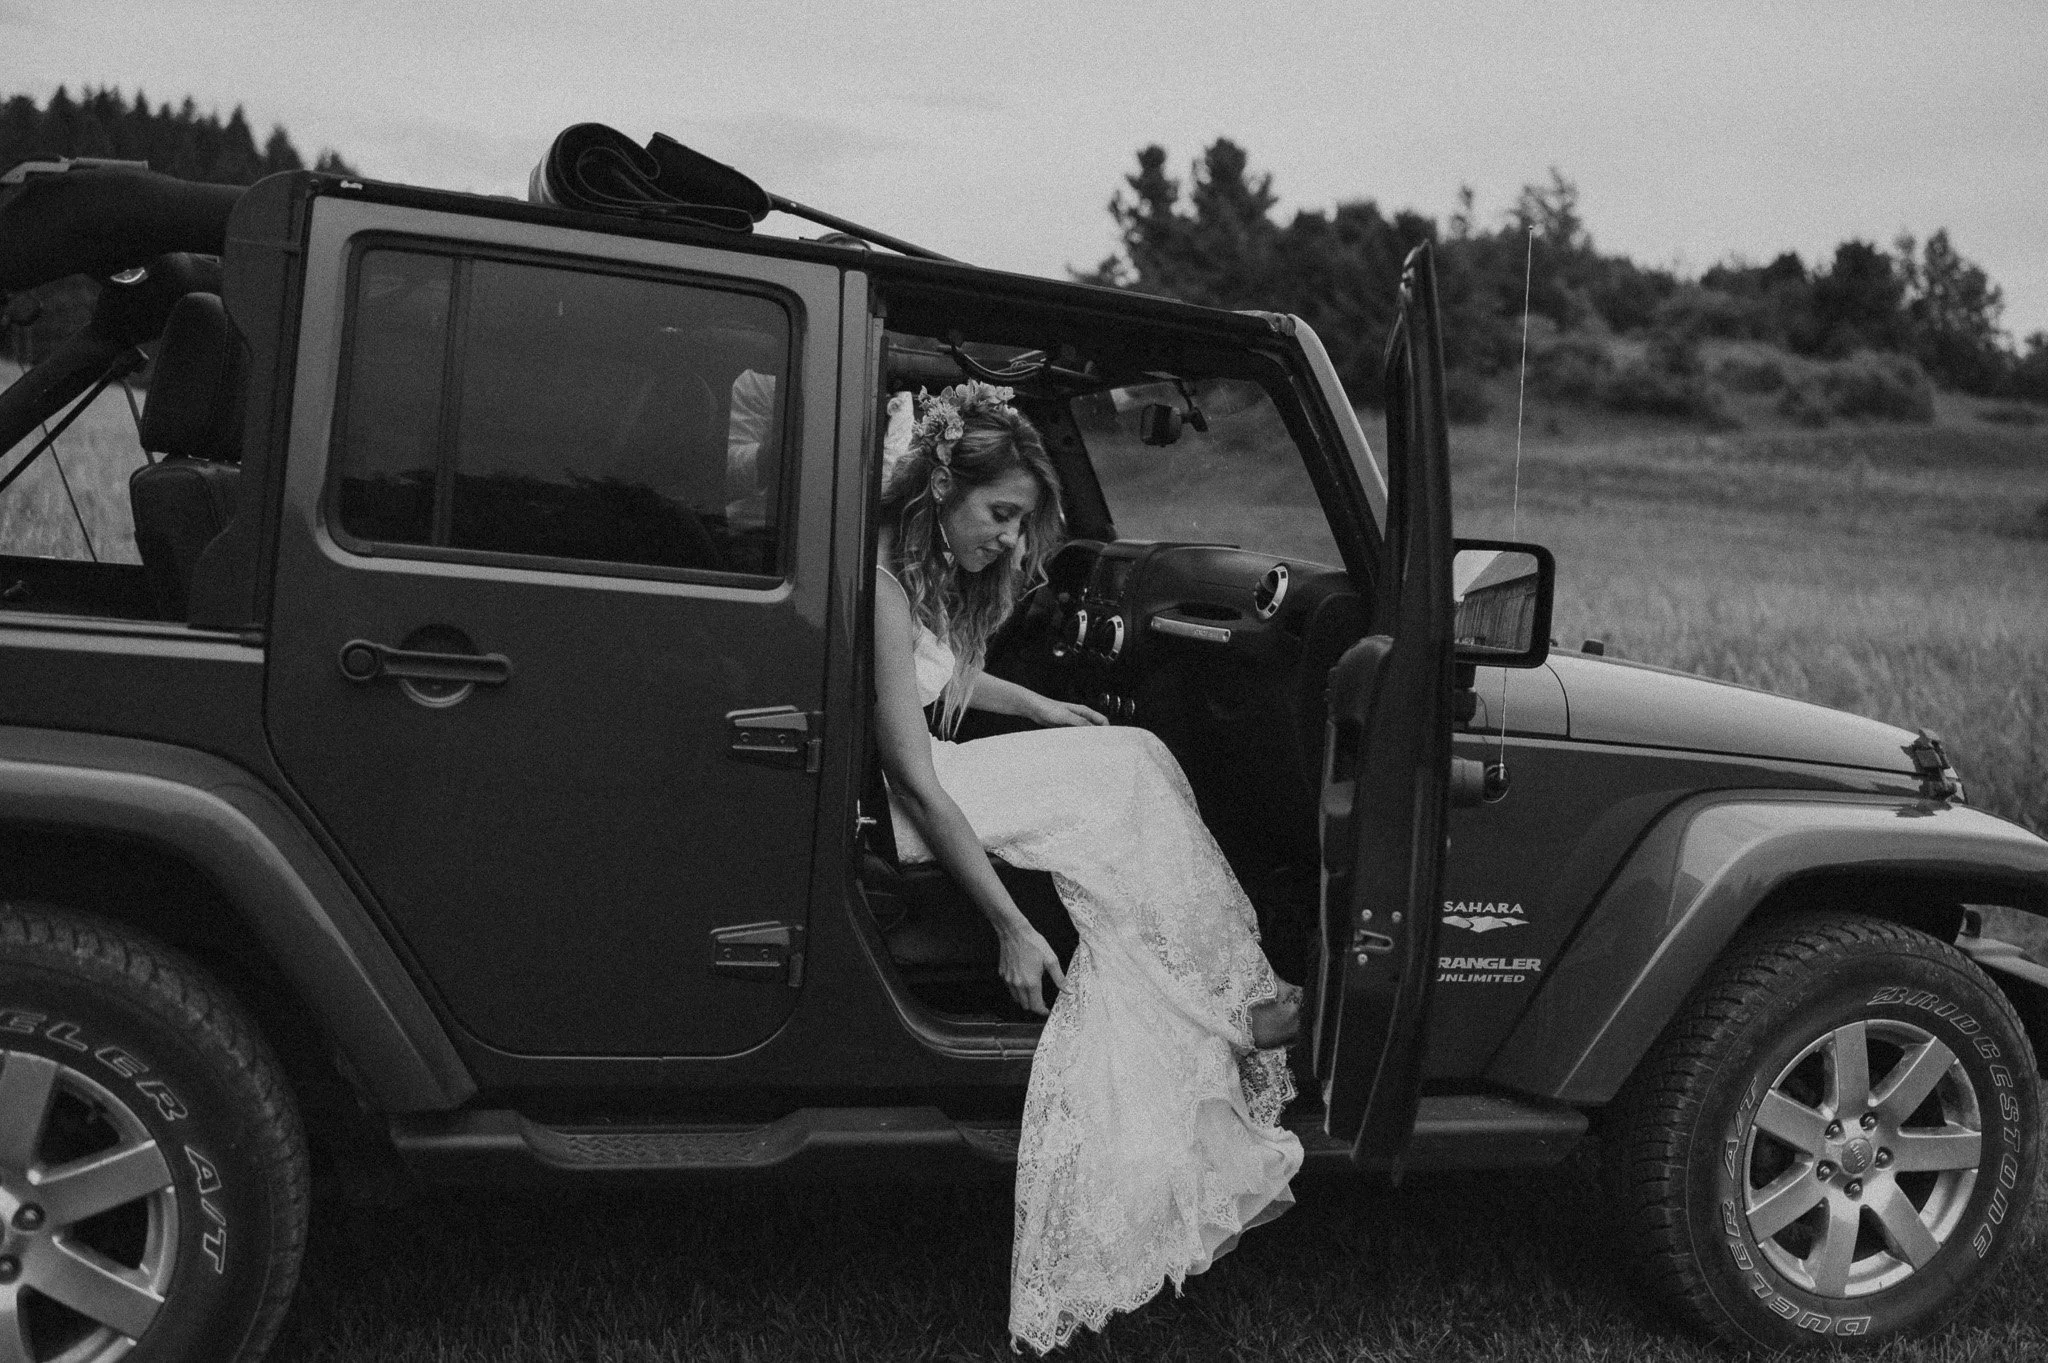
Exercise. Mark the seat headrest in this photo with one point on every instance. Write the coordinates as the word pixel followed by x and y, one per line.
pixel 194 409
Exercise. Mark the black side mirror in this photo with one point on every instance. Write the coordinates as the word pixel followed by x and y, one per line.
pixel 1158 424
pixel 1503 593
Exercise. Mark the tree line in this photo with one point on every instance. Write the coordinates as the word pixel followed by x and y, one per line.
pixel 177 141
pixel 1918 306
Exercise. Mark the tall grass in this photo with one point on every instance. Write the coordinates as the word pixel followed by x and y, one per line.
pixel 94 456
pixel 1899 575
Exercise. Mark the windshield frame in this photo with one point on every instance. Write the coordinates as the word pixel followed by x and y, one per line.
pixel 1371 476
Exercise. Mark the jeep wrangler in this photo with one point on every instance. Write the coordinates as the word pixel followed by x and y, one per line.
pixel 473 777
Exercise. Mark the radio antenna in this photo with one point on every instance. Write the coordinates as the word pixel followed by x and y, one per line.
pixel 1522 386
pixel 1498 777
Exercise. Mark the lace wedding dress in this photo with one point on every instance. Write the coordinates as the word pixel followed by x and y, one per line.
pixel 1151 1136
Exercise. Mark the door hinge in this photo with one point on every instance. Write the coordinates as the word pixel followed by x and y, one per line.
pixel 1938 779
pixel 767 953
pixel 777 736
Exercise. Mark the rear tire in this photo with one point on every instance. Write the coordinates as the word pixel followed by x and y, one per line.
pixel 153 1180
pixel 1836 1138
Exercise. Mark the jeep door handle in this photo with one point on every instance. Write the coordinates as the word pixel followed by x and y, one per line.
pixel 363 661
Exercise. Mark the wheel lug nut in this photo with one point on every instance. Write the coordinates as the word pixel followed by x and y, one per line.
pixel 1834 1130
pixel 1869 1120
pixel 1855 1188
pixel 10 1268
pixel 1884 1158
pixel 30 1217
pixel 1824 1170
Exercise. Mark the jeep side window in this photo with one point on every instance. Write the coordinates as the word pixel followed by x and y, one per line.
pixel 390 421
pixel 498 407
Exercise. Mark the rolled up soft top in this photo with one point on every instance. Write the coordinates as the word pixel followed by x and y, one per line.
pixel 599 169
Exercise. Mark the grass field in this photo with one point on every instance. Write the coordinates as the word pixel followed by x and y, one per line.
pixel 91 464
pixel 1900 572
pixel 1896 572
pixel 1498 1267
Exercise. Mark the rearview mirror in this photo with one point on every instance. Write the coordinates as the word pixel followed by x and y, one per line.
pixel 1502 592
pixel 1158 424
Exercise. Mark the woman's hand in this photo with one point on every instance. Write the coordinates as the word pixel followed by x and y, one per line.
pixel 1064 714
pixel 1025 962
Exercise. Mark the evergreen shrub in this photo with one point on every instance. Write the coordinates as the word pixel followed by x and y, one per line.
pixel 1751 376
pixel 1866 386
pixel 2015 415
pixel 1649 389
pixel 1571 368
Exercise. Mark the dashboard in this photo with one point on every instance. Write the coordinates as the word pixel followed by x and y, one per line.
pixel 1122 609
pixel 1222 652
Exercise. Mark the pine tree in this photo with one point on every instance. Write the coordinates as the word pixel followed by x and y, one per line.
pixel 279 153
pixel 176 141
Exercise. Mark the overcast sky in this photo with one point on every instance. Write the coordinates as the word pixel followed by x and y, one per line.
pixel 1695 129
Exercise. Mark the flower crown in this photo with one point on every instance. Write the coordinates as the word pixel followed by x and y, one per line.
pixel 943 417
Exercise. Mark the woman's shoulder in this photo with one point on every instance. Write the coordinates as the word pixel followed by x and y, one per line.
pixel 890 593
pixel 893 610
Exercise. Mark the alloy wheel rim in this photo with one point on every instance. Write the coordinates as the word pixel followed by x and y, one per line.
pixel 1860 1158
pixel 88 1217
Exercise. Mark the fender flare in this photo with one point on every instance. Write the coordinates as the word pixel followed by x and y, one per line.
pixel 280 882
pixel 1697 877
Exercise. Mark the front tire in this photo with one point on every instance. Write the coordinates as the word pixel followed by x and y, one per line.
pixel 1836 1138
pixel 153 1180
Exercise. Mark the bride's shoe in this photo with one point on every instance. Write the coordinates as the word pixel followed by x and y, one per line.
pixel 1277 1021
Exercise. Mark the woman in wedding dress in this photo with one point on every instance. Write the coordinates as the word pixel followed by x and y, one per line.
pixel 1151 1134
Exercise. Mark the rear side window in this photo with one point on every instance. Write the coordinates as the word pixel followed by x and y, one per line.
pixel 497 408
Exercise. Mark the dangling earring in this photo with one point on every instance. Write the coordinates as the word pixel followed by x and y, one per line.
pixel 939 518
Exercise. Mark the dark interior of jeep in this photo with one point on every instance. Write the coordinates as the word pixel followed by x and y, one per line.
pixel 1219 648
pixel 189 425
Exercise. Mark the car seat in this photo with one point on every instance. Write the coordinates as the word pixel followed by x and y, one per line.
pixel 193 418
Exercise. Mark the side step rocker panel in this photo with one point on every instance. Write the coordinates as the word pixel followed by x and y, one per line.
pixel 1460 1131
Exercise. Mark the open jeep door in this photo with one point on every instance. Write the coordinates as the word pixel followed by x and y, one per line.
pixel 1386 768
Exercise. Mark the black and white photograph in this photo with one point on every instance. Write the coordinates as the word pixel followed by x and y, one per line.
pixel 1328 683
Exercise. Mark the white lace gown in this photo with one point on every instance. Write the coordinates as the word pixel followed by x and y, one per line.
pixel 1151 1136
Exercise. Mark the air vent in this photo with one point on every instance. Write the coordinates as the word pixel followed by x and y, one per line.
pixel 1271 591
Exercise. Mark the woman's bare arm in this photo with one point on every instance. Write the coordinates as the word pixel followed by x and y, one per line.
pixel 1006 697
pixel 906 754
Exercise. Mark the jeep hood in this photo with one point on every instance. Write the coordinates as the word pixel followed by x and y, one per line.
pixel 1612 701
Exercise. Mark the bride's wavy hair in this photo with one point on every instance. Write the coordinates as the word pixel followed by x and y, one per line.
pixel 965 609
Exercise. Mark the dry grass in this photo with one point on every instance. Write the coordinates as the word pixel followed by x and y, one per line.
pixel 95 455
pixel 1896 573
